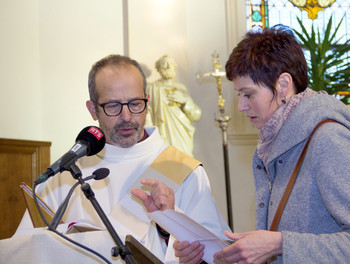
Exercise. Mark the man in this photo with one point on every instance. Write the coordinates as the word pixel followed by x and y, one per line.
pixel 171 107
pixel 134 155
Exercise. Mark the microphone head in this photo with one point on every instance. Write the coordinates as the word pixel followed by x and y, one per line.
pixel 94 138
pixel 100 173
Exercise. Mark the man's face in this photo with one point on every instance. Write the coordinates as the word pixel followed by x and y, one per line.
pixel 122 84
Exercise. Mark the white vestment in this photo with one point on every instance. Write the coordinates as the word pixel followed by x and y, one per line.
pixel 192 197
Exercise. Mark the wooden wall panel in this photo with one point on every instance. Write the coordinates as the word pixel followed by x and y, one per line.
pixel 20 161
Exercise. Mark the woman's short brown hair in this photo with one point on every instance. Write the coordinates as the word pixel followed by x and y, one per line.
pixel 263 55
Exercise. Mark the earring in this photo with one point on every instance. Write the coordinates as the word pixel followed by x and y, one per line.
pixel 284 100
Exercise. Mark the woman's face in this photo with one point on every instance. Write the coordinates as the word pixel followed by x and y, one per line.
pixel 255 100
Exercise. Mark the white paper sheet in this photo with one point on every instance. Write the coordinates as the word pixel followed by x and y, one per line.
pixel 183 228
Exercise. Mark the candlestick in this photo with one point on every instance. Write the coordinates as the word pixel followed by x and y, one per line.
pixel 223 120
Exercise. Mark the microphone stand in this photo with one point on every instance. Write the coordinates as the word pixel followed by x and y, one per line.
pixel 120 249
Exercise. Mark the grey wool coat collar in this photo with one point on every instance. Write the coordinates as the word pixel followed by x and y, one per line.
pixel 316 221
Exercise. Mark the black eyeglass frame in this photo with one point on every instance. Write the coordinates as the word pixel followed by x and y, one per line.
pixel 122 106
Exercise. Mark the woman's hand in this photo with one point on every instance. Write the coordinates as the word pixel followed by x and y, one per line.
pixel 251 247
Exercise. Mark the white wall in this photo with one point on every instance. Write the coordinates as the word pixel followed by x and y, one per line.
pixel 73 35
pixel 21 99
pixel 48 48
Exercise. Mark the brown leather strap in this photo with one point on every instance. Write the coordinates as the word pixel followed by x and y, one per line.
pixel 292 179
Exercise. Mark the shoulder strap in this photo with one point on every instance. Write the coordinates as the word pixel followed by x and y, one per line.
pixel 292 179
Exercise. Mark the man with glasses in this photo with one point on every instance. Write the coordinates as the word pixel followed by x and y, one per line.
pixel 137 159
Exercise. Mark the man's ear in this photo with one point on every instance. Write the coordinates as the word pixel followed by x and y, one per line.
pixel 91 107
pixel 148 101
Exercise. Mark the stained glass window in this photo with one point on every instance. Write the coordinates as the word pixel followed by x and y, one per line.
pixel 257 12
pixel 266 13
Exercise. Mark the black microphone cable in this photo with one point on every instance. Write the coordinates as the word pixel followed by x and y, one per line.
pixel 98 174
pixel 50 227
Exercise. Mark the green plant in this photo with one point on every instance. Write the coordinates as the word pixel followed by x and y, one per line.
pixel 328 60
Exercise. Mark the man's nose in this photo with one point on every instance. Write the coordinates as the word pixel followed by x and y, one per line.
pixel 125 114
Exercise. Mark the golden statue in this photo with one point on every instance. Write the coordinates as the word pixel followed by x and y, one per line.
pixel 171 107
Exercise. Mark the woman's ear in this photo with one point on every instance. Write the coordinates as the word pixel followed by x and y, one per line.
pixel 91 107
pixel 285 84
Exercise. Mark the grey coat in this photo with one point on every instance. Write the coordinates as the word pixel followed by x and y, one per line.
pixel 315 223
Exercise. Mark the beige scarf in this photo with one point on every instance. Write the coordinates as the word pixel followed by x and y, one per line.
pixel 270 130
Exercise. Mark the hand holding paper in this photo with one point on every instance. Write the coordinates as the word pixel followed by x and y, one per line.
pixel 183 228
pixel 189 253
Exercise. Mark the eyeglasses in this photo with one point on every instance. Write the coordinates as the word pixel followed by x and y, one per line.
pixel 114 108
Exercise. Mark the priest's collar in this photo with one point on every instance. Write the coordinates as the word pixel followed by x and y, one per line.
pixel 146 145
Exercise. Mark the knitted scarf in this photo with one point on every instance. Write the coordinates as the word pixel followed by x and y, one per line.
pixel 270 130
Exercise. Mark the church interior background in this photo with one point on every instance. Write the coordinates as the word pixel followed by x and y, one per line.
pixel 48 48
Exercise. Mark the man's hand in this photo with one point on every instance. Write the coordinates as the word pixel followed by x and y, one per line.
pixel 189 253
pixel 161 196
pixel 251 247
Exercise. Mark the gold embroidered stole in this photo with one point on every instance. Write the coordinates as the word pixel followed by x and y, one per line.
pixel 171 167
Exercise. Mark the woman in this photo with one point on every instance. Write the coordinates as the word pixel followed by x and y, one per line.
pixel 269 72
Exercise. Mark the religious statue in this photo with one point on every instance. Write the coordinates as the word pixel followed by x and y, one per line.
pixel 171 107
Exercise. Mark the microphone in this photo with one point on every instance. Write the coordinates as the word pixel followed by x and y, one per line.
pixel 98 174
pixel 90 141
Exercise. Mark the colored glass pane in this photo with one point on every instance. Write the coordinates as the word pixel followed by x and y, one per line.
pixel 256 16
pixel 274 12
